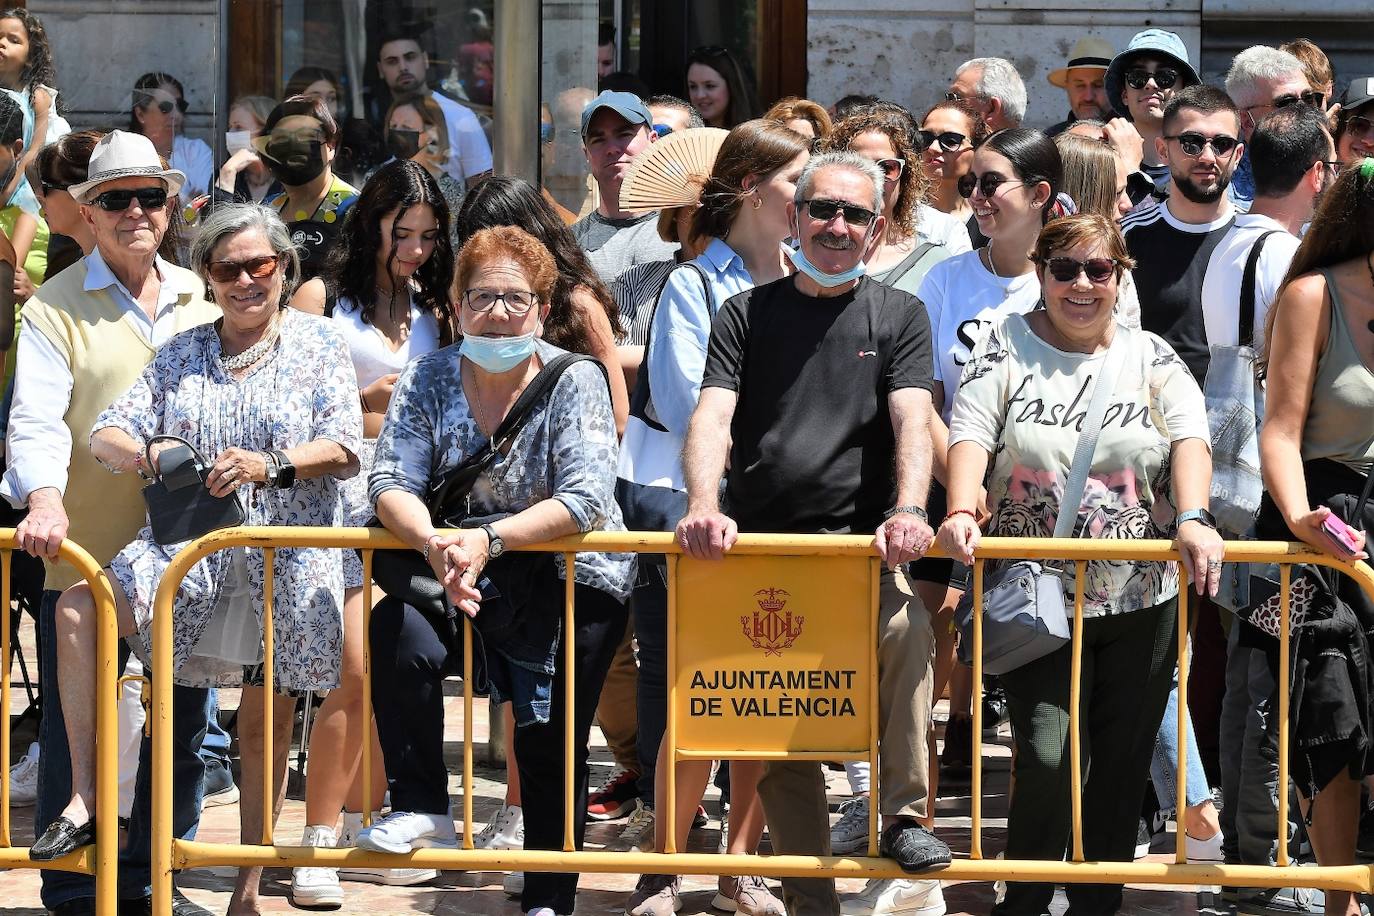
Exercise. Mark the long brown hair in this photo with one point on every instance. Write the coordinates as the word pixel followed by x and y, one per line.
pixel 1342 230
pixel 913 186
pixel 1089 173
pixel 756 148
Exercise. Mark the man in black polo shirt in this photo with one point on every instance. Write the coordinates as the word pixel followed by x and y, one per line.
pixel 818 386
pixel 1173 242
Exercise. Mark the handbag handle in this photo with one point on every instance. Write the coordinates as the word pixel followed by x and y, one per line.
pixel 1087 441
pixel 148 453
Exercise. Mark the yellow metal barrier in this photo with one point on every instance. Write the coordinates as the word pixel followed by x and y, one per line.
pixel 172 853
pixel 102 859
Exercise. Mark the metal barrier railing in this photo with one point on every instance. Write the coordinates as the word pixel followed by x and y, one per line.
pixel 170 852
pixel 102 859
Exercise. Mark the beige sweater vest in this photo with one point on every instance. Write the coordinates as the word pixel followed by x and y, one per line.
pixel 106 356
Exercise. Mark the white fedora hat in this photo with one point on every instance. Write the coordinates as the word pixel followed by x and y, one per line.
pixel 121 154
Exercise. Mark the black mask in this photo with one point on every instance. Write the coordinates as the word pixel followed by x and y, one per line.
pixel 401 143
pixel 295 162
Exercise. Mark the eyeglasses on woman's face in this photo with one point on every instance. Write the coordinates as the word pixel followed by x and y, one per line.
pixel 516 301
pixel 986 184
pixel 1067 270
pixel 258 268
pixel 950 141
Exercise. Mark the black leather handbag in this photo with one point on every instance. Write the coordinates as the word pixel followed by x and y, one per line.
pixel 180 507
pixel 404 574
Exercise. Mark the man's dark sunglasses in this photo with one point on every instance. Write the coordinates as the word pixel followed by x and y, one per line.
pixel 825 210
pixel 987 183
pixel 1164 77
pixel 1310 97
pixel 118 201
pixel 166 106
pixel 1066 270
pixel 1192 143
pixel 949 140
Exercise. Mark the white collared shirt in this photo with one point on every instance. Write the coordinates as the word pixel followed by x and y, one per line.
pixel 38 444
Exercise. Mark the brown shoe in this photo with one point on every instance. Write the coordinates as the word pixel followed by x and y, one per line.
pixel 746 894
pixel 655 895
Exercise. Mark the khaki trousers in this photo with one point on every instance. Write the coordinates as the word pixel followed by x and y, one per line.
pixel 616 711
pixel 793 791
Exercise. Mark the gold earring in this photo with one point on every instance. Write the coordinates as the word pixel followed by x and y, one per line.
pixel 758 202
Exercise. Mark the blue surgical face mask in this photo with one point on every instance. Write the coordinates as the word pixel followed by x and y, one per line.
pixel 829 281
pixel 498 354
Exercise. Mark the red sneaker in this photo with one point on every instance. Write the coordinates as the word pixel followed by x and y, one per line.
pixel 616 797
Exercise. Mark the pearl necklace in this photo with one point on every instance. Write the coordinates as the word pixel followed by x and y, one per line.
pixel 254 353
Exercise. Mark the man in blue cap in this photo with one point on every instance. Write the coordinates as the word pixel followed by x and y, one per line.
pixel 1140 81
pixel 616 126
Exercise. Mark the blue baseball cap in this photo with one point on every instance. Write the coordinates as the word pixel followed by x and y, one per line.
pixel 626 104
pixel 1156 42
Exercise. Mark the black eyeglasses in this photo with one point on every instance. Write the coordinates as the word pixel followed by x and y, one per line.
pixel 228 271
pixel 1164 77
pixel 118 201
pixel 949 140
pixel 1192 143
pixel 952 96
pixel 1066 270
pixel 1310 97
pixel 825 210
pixel 166 106
pixel 987 184
pixel 516 301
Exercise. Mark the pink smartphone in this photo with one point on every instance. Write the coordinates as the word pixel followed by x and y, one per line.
pixel 1341 535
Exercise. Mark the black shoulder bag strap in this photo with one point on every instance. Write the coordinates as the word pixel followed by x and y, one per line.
pixel 1246 334
pixel 642 398
pixel 448 498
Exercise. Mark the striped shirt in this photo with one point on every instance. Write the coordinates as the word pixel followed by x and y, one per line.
pixel 636 295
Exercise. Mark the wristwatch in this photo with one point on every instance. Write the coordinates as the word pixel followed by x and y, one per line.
pixel 1195 515
pixel 495 546
pixel 285 478
pixel 917 511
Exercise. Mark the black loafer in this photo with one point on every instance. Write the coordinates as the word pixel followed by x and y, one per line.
pixel 82 906
pixel 181 906
pixel 61 837
pixel 913 847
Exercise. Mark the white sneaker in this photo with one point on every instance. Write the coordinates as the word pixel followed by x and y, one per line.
pixel 513 883
pixel 541 911
pixel 850 833
pixel 392 877
pixel 24 778
pixel 895 895
pixel 402 831
pixel 1201 852
pixel 505 831
pixel 316 886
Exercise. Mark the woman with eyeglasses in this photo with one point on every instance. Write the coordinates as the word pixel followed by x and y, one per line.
pixel 1355 126
pixel 950 131
pixel 717 88
pixel 267 395
pixel 299 142
pixel 1024 389
pixel 158 112
pixel 554 478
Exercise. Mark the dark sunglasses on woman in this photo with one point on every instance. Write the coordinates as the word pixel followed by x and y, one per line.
pixel 949 140
pixel 1066 270
pixel 228 271
pixel 891 168
pixel 117 201
pixel 987 184
pixel 1164 77
pixel 166 106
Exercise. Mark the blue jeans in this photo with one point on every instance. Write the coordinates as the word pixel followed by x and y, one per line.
pixel 1164 765
pixel 215 747
pixel 191 711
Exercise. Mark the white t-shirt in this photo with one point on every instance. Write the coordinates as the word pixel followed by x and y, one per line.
pixel 193 157
pixel 469 151
pixel 937 226
pixel 1221 284
pixel 962 298
pixel 1024 402
pixel 371 351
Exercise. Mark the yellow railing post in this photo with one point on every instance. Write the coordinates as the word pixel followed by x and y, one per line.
pixel 976 791
pixel 1181 723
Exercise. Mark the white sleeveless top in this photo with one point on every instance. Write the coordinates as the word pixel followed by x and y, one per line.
pixel 372 353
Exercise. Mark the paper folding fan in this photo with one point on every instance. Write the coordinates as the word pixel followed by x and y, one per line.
pixel 671 172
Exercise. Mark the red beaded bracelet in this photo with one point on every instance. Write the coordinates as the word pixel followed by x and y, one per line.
pixel 953 512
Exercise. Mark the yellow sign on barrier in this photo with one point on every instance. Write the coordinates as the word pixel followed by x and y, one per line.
pixel 773 654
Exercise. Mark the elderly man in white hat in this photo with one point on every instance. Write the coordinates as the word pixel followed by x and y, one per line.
pixel 87 334
pixel 1081 78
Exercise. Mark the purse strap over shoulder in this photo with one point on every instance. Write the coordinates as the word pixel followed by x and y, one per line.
pixel 1103 387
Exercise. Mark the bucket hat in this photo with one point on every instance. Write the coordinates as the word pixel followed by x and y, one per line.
pixel 1152 41
pixel 1088 54
pixel 122 154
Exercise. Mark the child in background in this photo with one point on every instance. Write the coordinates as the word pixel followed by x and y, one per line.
pixel 26 71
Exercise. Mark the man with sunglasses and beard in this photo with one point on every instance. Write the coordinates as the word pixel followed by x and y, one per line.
pixel 1140 81
pixel 814 385
pixel 1172 241
pixel 87 334
pixel 1262 79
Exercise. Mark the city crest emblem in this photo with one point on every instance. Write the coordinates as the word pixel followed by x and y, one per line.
pixel 772 628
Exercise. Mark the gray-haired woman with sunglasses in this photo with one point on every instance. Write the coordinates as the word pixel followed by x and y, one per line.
pixel 268 396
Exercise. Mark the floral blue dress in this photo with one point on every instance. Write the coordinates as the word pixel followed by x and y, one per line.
pixel 304 390
pixel 565 450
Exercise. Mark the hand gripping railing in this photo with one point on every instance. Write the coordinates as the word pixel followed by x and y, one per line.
pixel 170 852
pixel 100 860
